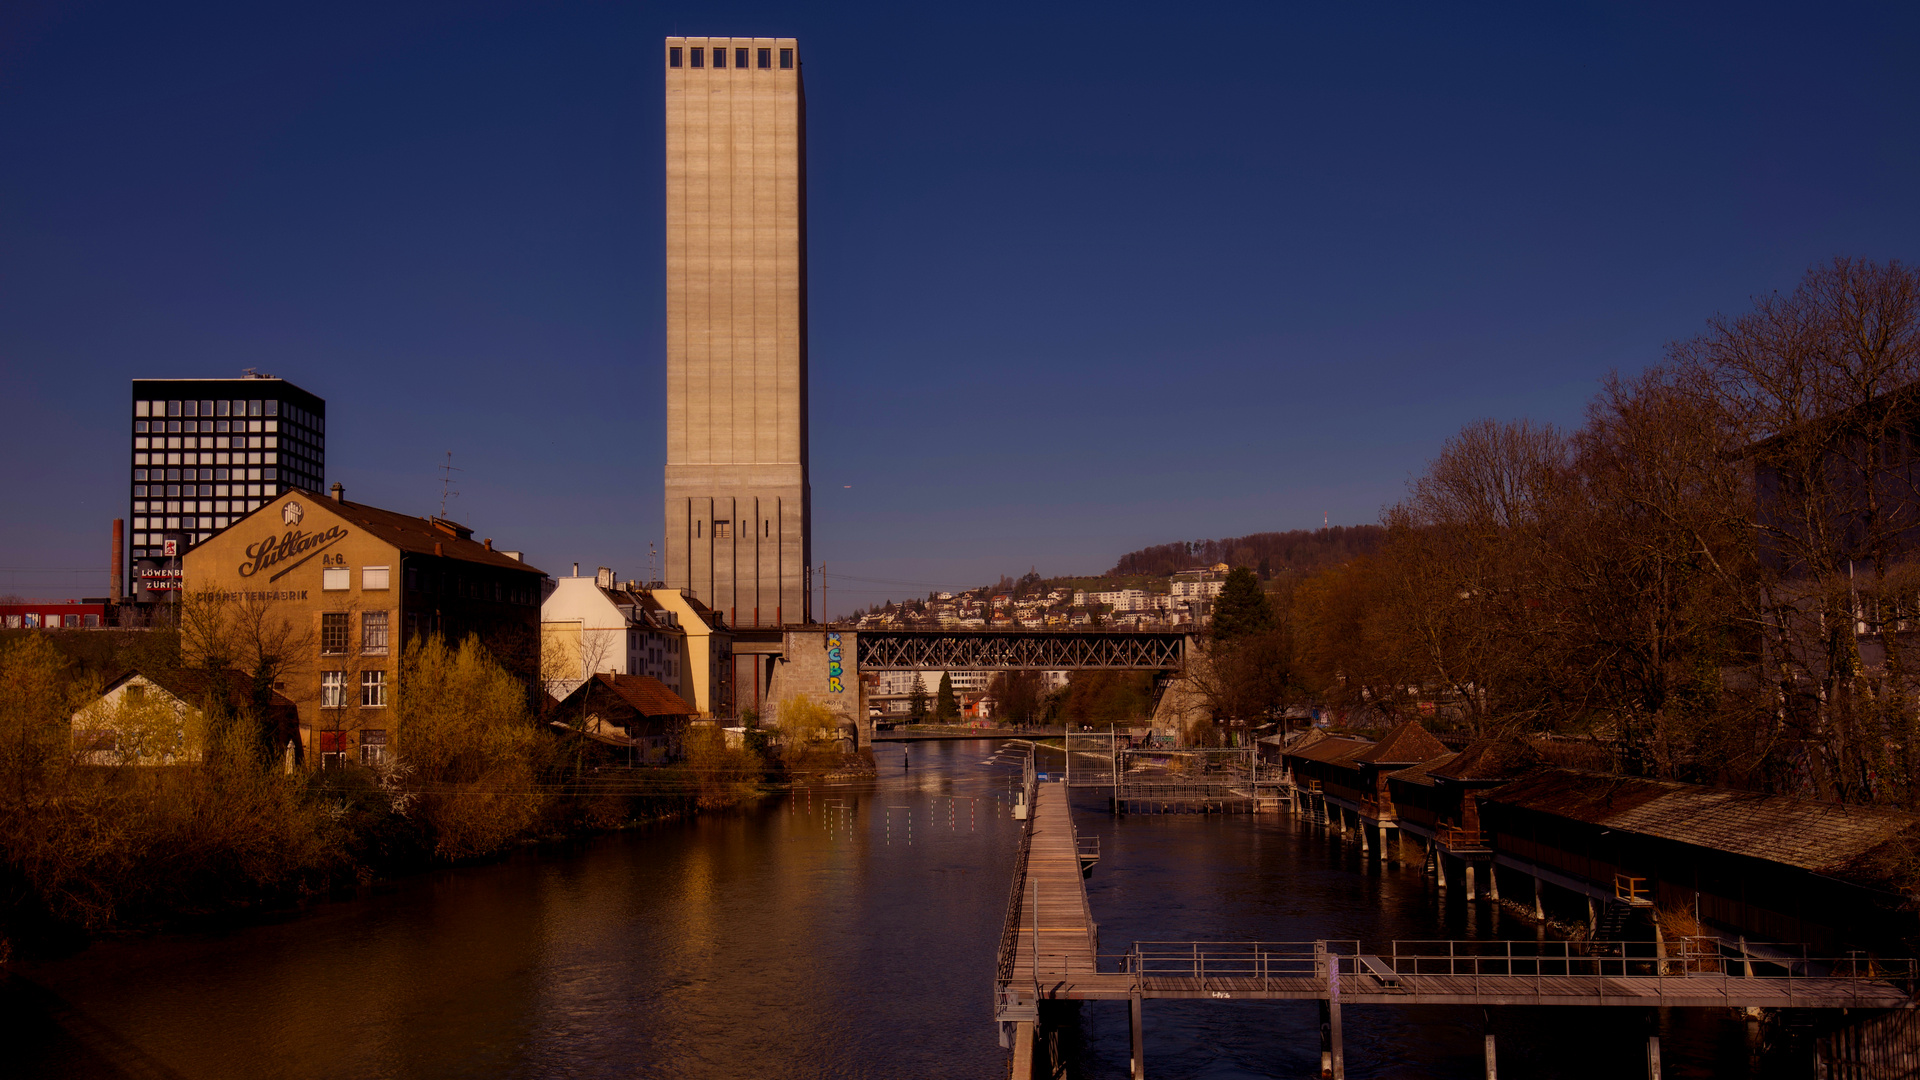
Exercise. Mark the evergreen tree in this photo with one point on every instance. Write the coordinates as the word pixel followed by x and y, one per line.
pixel 947 707
pixel 1241 609
pixel 917 703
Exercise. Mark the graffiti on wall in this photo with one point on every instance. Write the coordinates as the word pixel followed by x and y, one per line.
pixel 834 670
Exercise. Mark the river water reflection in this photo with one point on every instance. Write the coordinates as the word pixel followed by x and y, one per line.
pixel 841 932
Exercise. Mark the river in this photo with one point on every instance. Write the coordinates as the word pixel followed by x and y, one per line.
pixel 836 932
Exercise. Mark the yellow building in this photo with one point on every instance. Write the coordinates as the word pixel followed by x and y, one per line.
pixel 344 586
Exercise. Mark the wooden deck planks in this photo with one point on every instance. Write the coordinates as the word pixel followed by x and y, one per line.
pixel 1066 929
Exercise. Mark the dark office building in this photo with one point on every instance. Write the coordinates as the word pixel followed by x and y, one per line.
pixel 206 452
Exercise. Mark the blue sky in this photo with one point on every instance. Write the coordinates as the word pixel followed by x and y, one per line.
pixel 1083 277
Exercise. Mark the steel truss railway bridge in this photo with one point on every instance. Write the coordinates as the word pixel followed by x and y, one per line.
pixel 1050 952
pixel 1009 650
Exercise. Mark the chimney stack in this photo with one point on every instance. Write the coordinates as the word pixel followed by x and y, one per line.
pixel 119 559
pixel 488 542
pixel 576 569
pixel 339 492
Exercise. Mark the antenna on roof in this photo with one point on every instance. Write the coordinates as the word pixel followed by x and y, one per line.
pixel 446 483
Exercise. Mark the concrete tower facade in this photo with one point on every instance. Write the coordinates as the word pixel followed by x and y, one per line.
pixel 739 520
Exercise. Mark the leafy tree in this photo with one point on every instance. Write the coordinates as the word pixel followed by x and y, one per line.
pixel 1016 695
pixel 809 732
pixel 917 701
pixel 460 722
pixel 947 707
pixel 1241 608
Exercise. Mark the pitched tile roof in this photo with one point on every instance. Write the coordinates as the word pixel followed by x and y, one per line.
pixel 416 534
pixel 194 686
pixel 648 696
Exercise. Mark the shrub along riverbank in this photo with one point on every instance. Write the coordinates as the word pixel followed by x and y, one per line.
pixel 89 846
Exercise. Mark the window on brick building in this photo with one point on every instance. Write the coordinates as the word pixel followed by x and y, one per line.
pixel 373 689
pixel 373 633
pixel 333 632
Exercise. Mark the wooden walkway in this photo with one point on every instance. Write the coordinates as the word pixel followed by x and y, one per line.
pixel 1056 958
pixel 1065 933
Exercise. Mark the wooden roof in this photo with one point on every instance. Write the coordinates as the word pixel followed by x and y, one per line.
pixel 1332 750
pixel 1848 842
pixel 1490 759
pixel 1407 744
pixel 1422 773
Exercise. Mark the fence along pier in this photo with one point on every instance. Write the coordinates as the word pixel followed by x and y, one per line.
pixel 1049 952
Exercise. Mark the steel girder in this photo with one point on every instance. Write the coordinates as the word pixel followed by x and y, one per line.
pixel 1038 650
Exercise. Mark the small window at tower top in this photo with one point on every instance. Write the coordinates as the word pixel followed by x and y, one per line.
pixel 695 55
pixel 673 56
pixel 739 58
pixel 786 59
pixel 720 57
pixel 766 58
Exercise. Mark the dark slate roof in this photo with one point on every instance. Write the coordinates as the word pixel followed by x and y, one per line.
pixel 1490 759
pixel 1842 841
pixel 417 534
pixel 647 695
pixel 1407 744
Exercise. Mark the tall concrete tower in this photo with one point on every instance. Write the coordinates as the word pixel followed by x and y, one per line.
pixel 739 520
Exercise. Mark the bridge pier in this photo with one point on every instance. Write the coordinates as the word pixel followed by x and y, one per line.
pixel 1139 1039
pixel 1333 1060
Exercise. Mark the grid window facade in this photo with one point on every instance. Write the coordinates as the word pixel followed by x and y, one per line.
pixel 242 441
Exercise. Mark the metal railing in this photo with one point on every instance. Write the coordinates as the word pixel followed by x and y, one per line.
pixel 1016 899
pixel 1261 961
pixel 1708 962
pixel 1454 838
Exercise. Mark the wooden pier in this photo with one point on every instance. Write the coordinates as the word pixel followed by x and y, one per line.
pixel 1050 952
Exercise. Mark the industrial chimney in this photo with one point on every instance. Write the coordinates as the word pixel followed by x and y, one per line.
pixel 119 560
